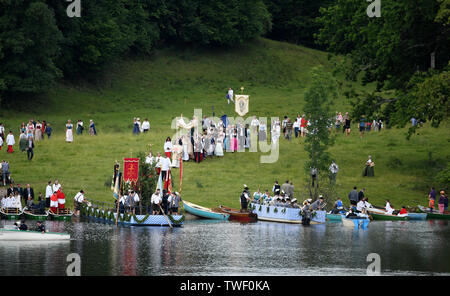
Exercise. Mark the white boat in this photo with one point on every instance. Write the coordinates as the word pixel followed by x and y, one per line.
pixel 21 235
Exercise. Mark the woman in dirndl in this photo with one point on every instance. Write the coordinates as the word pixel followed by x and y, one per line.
pixel 69 132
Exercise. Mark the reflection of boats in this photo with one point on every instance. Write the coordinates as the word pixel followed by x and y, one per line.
pixel 11 213
pixel 356 222
pixel 334 217
pixel 387 217
pixel 20 235
pixel 203 212
pixel 285 215
pixel 60 215
pixel 237 215
pixel 417 216
pixel 434 214
pixel 32 215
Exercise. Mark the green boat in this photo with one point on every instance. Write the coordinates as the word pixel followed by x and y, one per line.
pixel 33 215
pixel 61 215
pixel 334 217
pixel 434 214
pixel 11 213
pixel 386 217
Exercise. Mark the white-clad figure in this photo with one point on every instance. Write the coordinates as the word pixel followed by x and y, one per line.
pixel 56 186
pixel 230 95
pixel 10 142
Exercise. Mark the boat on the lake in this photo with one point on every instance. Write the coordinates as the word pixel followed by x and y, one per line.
pixel 433 214
pixel 237 215
pixel 388 217
pixel 110 216
pixel 355 222
pixel 417 216
pixel 32 214
pixel 21 235
pixel 60 215
pixel 334 217
pixel 11 213
pixel 285 215
pixel 203 212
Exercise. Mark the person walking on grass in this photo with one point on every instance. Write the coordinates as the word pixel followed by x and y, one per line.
pixel 353 196
pixel 230 95
pixel 362 126
pixel 347 123
pixel 69 131
pixel 334 168
pixel 10 142
pixel 30 147
pixel 289 127
pixel 48 130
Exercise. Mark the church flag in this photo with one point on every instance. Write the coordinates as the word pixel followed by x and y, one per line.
pixel 117 186
pixel 130 169
pixel 159 186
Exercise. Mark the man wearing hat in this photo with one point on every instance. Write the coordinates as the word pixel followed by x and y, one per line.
pixel 318 204
pixel 245 198
pixel 294 203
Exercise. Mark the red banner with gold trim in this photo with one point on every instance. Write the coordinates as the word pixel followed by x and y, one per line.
pixel 130 169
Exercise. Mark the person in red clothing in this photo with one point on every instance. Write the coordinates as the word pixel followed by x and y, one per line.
pixel 403 212
pixel 61 198
pixel 303 125
pixel 54 202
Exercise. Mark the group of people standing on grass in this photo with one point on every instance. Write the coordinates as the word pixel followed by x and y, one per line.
pixel 140 128
pixel 79 129
pixel 442 201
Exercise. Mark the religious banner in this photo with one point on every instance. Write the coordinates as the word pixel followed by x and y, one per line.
pixel 242 102
pixel 130 169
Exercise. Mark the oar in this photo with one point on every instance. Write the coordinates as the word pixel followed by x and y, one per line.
pixel 165 216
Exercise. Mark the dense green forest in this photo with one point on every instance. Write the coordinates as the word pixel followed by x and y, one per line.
pixel 405 51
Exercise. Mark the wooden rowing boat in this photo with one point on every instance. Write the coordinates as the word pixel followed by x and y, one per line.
pixel 417 216
pixel 434 214
pixel 285 215
pixel 32 215
pixel 334 217
pixel 60 215
pixel 11 213
pixel 387 217
pixel 203 212
pixel 20 235
pixel 237 215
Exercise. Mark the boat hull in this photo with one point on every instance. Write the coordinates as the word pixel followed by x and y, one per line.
pixel 31 216
pixel 434 214
pixel 355 223
pixel 18 235
pixel 334 217
pixel 417 216
pixel 11 216
pixel 55 217
pixel 285 215
pixel 238 216
pixel 385 217
pixel 203 212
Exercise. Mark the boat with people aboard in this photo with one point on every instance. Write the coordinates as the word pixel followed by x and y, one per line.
pixel 27 235
pixel 389 217
pixel 34 214
pixel 11 213
pixel 130 219
pixel 285 214
pixel 203 212
pixel 433 214
pixel 60 215
pixel 237 215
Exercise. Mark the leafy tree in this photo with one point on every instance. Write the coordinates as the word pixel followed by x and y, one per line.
pixel 29 39
pixel 318 99
pixel 294 20
pixel 396 51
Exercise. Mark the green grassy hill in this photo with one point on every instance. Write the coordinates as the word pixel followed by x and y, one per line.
pixel 175 81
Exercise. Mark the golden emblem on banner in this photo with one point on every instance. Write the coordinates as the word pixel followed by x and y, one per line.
pixel 241 106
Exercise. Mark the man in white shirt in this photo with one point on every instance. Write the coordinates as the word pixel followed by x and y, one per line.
pixel 296 126
pixel 10 142
pixel 230 95
pixel 165 168
pixel 145 126
pixel 48 193
pixel 360 205
pixel 56 186
pixel 156 200
pixel 149 159
pixel 79 200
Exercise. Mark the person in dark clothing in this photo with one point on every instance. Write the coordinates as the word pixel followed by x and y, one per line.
pixel 353 196
pixel 165 201
pixel 40 227
pixel 22 225
pixel 361 194
pixel 245 197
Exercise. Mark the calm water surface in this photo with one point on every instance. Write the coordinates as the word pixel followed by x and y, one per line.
pixel 203 247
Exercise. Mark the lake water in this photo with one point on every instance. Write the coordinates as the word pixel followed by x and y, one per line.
pixel 206 247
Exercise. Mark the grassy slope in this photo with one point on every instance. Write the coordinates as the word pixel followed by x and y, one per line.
pixel 275 76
